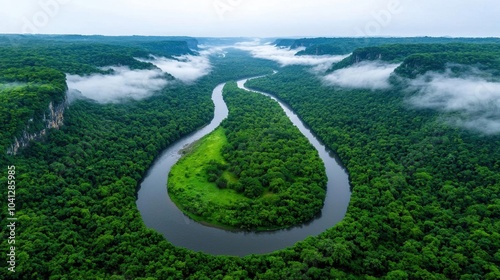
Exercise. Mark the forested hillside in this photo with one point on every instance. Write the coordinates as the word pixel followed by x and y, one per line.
pixel 82 59
pixel 32 76
pixel 25 94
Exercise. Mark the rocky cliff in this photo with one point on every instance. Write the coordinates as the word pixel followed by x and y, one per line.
pixel 52 118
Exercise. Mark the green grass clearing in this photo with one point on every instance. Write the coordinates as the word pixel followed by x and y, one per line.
pixel 188 182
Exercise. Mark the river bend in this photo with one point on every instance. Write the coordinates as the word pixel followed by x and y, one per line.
pixel 160 213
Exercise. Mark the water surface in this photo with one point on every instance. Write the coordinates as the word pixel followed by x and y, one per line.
pixel 161 214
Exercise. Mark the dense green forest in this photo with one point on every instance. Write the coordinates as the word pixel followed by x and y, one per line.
pixel 80 59
pixel 32 75
pixel 277 175
pixel 341 46
pixel 425 201
pixel 433 56
pixel 25 94
pixel 33 68
pixel 157 45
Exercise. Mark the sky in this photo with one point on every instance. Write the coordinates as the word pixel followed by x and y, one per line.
pixel 253 18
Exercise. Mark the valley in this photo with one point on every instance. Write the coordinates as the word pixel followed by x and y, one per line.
pixel 413 121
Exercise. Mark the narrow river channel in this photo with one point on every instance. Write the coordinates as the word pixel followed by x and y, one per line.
pixel 161 214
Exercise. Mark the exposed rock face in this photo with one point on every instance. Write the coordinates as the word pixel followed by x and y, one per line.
pixel 56 115
pixel 53 118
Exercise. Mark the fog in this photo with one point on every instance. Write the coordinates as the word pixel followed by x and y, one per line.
pixel 474 99
pixel 186 68
pixel 12 85
pixel 363 75
pixel 123 84
pixel 286 57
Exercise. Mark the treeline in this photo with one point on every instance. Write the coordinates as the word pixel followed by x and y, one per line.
pixel 341 46
pixel 157 45
pixel 425 201
pixel 421 63
pixel 25 94
pixel 79 58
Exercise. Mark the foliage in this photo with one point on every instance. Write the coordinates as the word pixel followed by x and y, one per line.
pixel 269 176
pixel 32 72
pixel 156 45
pixel 25 94
pixel 425 201
pixel 425 196
pixel 193 182
pixel 421 63
pixel 433 56
pixel 80 59
pixel 341 46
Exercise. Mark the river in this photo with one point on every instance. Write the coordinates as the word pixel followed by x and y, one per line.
pixel 160 213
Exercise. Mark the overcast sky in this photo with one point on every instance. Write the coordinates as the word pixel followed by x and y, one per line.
pixel 253 18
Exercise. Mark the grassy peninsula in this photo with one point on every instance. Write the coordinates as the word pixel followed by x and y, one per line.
pixel 255 172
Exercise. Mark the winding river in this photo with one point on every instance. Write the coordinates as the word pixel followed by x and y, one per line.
pixel 160 213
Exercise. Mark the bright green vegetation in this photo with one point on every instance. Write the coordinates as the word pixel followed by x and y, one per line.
pixel 425 201
pixel 189 185
pixel 256 172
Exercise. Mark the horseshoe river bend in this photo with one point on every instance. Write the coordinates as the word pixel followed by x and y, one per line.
pixel 161 214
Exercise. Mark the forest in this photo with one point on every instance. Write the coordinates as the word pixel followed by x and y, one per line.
pixel 25 94
pixel 341 46
pixel 417 59
pixel 425 194
pixel 277 175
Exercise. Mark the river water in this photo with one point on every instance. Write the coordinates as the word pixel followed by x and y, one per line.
pixel 160 213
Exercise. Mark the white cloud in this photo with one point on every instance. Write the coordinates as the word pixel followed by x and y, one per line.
pixel 364 75
pixel 123 84
pixel 12 85
pixel 286 57
pixel 482 124
pixel 475 99
pixel 186 68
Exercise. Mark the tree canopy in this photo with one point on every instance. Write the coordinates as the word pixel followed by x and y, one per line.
pixel 264 158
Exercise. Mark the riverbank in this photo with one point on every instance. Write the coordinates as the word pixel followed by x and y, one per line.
pixel 160 213
pixel 257 172
pixel 188 178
